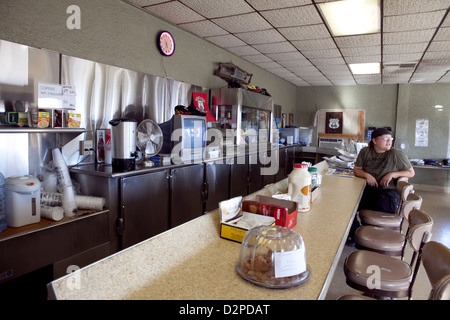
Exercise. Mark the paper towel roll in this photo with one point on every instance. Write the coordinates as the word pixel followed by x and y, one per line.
pixel 89 202
pixel 52 213
pixel 68 202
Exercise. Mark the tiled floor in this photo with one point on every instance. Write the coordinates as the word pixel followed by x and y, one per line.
pixel 437 205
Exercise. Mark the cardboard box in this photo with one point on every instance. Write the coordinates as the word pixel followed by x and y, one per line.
pixel 284 211
pixel 234 222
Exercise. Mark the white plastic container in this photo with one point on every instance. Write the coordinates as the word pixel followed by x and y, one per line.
pixel 300 187
pixel 23 200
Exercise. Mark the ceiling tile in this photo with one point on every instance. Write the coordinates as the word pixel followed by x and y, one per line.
pixel 271 4
pixel 328 61
pixel 427 20
pixel 275 47
pixel 364 59
pixel 268 65
pixel 306 71
pixel 361 51
pixel 318 54
pixel 174 12
pixel 143 3
pixel 316 44
pixel 396 7
pixel 442 34
pixel 257 58
pixel 435 55
pixel 335 70
pixel 259 37
pixel 243 23
pixel 243 51
pixel 203 28
pixel 317 31
pixel 286 56
pixel 408 36
pixel 439 46
pixel 405 48
pixel 226 41
pixel 295 63
pixel 404 57
pixel 214 9
pixel 349 82
pixel 368 79
pixel 291 17
pixel 359 41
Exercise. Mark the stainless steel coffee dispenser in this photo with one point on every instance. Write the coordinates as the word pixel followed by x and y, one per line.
pixel 123 135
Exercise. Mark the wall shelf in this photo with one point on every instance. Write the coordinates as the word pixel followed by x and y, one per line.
pixel 40 130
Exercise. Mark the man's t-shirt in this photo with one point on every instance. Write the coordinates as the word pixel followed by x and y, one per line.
pixel 379 164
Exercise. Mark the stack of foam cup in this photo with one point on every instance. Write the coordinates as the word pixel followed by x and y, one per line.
pixel 68 201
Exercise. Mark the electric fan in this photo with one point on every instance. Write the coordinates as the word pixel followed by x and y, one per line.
pixel 149 140
pixel 401 144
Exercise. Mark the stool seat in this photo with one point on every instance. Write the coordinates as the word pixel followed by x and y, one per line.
pixel 395 274
pixel 380 240
pixel 380 219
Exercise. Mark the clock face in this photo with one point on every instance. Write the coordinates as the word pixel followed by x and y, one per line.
pixel 166 43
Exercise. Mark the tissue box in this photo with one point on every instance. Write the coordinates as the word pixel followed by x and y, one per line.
pixel 234 222
pixel 284 211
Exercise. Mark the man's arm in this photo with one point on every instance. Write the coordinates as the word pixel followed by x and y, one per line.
pixel 359 172
pixel 395 175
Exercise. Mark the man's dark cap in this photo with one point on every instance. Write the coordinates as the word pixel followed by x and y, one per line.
pixel 380 132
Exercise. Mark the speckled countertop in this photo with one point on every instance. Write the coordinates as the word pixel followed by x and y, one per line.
pixel 191 261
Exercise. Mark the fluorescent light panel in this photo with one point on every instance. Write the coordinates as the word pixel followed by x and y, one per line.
pixel 365 68
pixel 351 17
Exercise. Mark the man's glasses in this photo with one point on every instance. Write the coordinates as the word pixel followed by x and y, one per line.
pixel 386 139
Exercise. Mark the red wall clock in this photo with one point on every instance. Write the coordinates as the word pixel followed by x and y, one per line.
pixel 166 43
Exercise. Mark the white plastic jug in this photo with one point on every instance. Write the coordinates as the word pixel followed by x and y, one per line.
pixel 300 187
pixel 23 196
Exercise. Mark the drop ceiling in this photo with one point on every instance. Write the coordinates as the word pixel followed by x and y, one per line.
pixel 290 39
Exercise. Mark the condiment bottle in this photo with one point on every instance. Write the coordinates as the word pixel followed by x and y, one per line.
pixel 300 187
pixel 314 178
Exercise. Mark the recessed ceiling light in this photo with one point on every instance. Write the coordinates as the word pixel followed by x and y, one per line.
pixel 350 17
pixel 365 68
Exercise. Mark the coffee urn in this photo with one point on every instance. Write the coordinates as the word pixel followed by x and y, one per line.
pixel 123 135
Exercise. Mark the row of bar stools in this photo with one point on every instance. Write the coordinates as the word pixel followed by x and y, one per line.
pixel 373 269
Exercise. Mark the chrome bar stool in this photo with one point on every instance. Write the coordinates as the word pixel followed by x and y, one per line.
pixel 435 259
pixel 387 220
pixel 379 275
pixel 386 241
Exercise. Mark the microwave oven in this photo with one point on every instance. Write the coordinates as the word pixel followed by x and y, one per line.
pixel 184 138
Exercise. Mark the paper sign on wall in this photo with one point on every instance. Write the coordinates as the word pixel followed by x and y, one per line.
pixel 56 96
pixel 421 139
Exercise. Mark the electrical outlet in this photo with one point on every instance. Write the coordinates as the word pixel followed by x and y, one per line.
pixel 86 147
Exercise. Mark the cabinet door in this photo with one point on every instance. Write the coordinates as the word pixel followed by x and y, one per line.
pixel 145 206
pixel 255 181
pixel 282 163
pixel 239 177
pixel 186 194
pixel 217 183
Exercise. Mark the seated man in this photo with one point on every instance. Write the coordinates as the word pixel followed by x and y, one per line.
pixel 381 166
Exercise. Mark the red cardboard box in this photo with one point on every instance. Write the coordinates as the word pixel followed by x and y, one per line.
pixel 284 211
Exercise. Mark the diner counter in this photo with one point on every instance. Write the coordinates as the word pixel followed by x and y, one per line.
pixel 191 261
